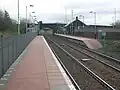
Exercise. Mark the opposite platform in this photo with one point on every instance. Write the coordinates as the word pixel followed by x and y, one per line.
pixel 38 70
pixel 89 42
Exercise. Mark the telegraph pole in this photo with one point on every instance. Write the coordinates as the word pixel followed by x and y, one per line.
pixel 65 15
pixel 72 23
pixel 115 14
pixel 95 23
pixel 72 14
pixel 83 21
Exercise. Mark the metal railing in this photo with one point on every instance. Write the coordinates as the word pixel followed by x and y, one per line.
pixel 11 48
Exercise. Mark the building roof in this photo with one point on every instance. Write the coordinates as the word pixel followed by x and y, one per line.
pixel 70 22
pixel 100 25
pixel 53 23
pixel 110 30
pixel 74 21
pixel 102 29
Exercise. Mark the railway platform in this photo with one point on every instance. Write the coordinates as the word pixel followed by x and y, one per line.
pixel 90 43
pixel 36 68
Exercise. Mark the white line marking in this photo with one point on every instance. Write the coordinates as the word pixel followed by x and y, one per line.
pixel 12 68
pixel 9 71
pixel 6 75
pixel 2 84
pixel 60 67
pixel 86 59
pixel 4 78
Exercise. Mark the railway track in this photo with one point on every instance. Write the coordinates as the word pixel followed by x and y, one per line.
pixel 111 64
pixel 85 77
pixel 110 75
pixel 68 73
pixel 102 55
pixel 104 59
pixel 97 54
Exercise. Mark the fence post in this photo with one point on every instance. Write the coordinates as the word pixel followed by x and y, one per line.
pixel 2 63
pixel 8 54
pixel 16 48
pixel 13 50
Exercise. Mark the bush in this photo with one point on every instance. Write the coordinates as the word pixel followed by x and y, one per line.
pixel 7 25
pixel 111 46
pixel 116 24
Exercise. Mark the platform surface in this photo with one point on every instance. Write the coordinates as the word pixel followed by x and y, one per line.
pixel 38 69
pixel 90 43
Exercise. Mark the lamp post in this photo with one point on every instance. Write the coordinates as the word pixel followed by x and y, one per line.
pixel 34 22
pixel 26 15
pixel 83 21
pixel 18 31
pixel 94 22
pixel 32 17
pixel 37 27
pixel 26 19
pixel 65 15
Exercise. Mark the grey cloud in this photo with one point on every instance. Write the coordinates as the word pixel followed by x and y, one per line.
pixel 52 17
pixel 89 19
pixel 86 5
pixel 103 8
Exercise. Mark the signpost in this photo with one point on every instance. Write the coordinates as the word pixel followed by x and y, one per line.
pixel 103 35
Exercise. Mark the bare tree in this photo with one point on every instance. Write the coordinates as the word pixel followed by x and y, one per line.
pixel 23 25
pixel 116 24
pixel 1 20
pixel 6 23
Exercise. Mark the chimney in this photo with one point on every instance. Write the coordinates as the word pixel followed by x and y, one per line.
pixel 77 18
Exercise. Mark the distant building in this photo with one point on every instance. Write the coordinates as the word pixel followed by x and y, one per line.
pixel 77 26
pixel 32 27
pixel 74 26
pixel 53 26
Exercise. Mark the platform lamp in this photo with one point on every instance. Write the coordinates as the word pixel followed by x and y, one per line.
pixel 26 15
pixel 34 19
pixel 94 22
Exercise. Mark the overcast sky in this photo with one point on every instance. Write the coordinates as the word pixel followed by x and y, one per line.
pixel 54 10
